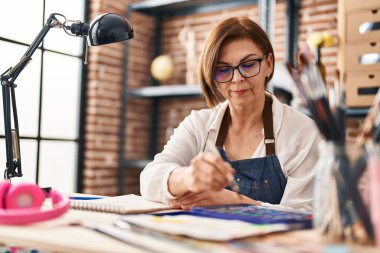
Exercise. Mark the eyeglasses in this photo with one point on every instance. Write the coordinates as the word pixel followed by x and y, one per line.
pixel 247 69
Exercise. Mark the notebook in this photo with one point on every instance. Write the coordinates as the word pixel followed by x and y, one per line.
pixel 125 204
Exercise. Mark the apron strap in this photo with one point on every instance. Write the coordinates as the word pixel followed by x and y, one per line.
pixel 223 128
pixel 268 127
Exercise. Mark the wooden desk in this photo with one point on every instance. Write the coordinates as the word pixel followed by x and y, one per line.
pixel 59 236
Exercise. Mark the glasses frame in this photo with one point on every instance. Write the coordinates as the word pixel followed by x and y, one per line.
pixel 259 60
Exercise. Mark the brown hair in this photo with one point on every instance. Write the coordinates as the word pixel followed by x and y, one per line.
pixel 231 28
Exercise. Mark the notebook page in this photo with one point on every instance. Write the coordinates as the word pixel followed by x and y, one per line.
pixel 125 204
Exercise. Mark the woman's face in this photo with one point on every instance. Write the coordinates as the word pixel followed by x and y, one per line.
pixel 247 88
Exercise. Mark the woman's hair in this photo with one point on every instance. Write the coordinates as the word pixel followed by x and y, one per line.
pixel 229 29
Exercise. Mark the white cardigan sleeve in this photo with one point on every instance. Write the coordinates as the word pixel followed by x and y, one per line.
pixel 182 146
pixel 298 156
pixel 298 192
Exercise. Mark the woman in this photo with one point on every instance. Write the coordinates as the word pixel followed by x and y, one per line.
pixel 267 147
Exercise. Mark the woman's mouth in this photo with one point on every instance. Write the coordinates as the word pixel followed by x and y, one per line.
pixel 240 92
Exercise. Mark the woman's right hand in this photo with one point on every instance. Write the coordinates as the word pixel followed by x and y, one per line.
pixel 206 172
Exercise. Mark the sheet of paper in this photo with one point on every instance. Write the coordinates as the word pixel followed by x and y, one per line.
pixel 202 227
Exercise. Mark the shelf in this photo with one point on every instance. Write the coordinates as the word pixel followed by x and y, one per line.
pixel 137 164
pixel 167 91
pixel 184 7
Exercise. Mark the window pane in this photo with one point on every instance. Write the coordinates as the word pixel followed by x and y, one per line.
pixel 57 39
pixel 60 104
pixel 28 160
pixel 28 87
pixel 21 20
pixel 57 165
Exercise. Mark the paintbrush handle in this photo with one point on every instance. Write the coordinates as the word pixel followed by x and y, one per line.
pixel 214 150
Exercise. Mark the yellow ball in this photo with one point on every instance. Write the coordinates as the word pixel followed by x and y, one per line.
pixel 314 40
pixel 328 39
pixel 162 67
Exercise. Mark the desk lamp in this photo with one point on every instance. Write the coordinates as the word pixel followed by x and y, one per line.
pixel 105 29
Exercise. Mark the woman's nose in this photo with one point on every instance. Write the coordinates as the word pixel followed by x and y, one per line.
pixel 237 77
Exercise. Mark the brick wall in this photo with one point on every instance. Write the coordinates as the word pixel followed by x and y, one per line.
pixel 279 28
pixel 318 16
pixel 105 70
pixel 138 117
pixel 105 82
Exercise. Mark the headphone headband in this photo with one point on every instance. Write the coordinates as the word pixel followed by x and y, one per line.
pixel 18 216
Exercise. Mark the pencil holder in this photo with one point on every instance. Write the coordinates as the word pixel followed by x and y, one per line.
pixel 374 194
pixel 339 209
pixel 325 190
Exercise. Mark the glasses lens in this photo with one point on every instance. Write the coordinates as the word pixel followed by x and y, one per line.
pixel 249 68
pixel 223 74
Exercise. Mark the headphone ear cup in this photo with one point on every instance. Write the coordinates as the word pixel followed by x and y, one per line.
pixel 20 204
pixel 24 195
pixel 4 187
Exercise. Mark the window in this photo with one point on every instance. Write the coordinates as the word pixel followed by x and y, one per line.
pixel 48 91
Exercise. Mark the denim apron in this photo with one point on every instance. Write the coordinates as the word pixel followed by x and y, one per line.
pixel 260 179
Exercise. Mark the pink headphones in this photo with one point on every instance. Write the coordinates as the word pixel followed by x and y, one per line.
pixel 21 203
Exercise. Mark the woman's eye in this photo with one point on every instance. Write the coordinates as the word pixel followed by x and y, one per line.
pixel 248 65
pixel 224 69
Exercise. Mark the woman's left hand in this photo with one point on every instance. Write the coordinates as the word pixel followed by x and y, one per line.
pixel 206 198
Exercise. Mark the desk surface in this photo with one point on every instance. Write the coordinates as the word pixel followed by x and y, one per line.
pixel 59 236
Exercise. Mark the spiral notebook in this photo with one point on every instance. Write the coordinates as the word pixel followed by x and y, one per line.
pixel 125 204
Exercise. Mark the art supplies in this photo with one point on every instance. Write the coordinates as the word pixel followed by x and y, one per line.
pixel 202 228
pixel 374 189
pixel 212 149
pixel 256 215
pixel 124 204
pixel 371 126
pixel 339 209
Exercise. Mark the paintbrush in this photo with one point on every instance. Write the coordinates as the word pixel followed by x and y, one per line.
pixel 212 149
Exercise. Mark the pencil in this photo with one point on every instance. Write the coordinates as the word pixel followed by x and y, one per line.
pixel 84 197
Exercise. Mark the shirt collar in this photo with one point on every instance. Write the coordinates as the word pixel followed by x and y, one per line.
pixel 278 115
pixel 220 110
pixel 277 110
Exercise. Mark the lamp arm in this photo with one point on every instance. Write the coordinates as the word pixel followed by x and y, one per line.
pixel 51 22
pixel 106 28
pixel 7 79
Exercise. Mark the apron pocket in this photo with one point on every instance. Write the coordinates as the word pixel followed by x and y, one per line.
pixel 256 189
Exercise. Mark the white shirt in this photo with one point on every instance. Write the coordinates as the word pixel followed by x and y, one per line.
pixel 296 144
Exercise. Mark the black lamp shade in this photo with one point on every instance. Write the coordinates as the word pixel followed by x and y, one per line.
pixel 109 28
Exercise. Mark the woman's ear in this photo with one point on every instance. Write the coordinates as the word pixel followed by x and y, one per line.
pixel 269 62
